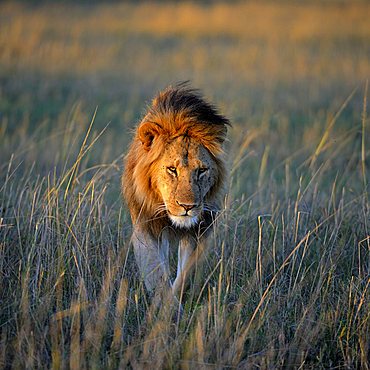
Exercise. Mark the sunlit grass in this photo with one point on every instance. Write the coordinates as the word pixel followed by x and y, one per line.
pixel 288 286
pixel 286 283
pixel 101 38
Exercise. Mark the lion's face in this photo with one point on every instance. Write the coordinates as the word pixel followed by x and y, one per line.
pixel 183 176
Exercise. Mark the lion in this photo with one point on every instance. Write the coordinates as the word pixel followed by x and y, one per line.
pixel 174 183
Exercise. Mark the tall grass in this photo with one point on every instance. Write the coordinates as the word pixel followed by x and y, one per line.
pixel 286 284
pixel 286 281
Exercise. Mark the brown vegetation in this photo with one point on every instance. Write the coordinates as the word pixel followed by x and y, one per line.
pixel 287 282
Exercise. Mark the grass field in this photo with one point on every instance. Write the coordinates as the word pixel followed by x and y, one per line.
pixel 287 282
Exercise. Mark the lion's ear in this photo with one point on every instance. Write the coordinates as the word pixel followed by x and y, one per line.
pixel 147 132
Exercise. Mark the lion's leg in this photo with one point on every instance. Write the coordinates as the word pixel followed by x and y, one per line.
pixel 185 251
pixel 151 258
pixel 190 253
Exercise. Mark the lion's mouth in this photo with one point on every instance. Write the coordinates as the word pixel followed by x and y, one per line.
pixel 185 221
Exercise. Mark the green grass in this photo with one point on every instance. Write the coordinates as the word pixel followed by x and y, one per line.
pixel 286 284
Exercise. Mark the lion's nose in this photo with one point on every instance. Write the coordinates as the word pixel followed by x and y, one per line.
pixel 186 206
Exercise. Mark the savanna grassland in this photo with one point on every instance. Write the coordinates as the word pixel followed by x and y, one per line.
pixel 286 283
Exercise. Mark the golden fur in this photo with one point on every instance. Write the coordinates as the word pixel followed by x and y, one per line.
pixel 174 173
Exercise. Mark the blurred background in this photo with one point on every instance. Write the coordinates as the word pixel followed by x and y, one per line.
pixel 289 58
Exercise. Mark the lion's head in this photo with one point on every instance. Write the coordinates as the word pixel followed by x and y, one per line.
pixel 183 176
pixel 175 169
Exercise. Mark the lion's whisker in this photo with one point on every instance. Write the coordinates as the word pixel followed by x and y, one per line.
pixel 209 208
pixel 159 209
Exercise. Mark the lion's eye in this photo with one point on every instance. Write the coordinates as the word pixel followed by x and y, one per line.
pixel 202 171
pixel 172 170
